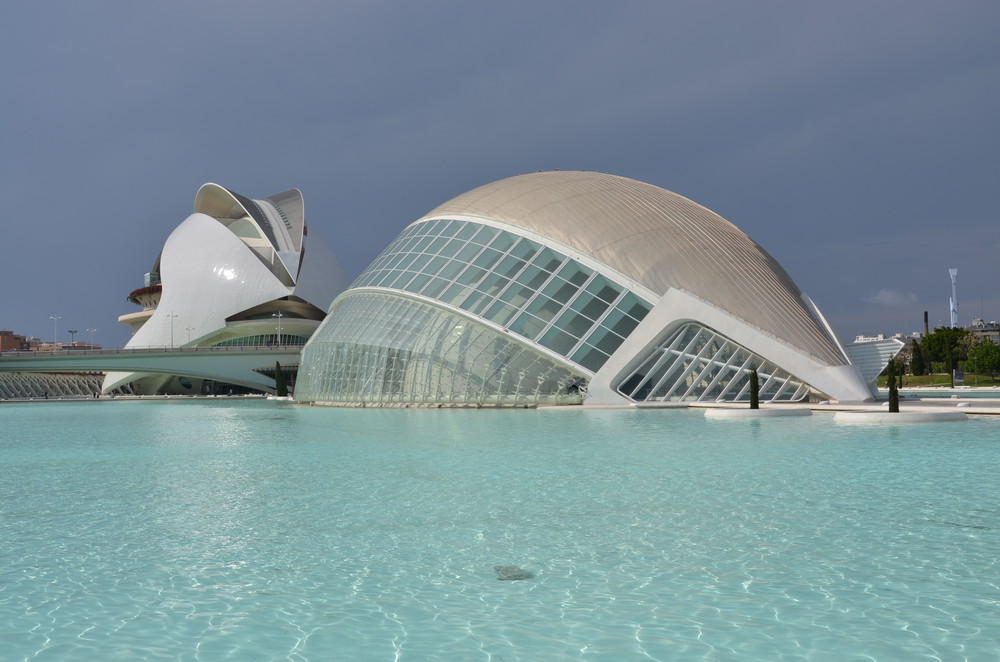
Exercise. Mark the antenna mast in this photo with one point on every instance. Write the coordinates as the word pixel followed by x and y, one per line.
pixel 953 301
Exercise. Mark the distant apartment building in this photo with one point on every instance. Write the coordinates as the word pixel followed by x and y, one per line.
pixel 985 330
pixel 12 342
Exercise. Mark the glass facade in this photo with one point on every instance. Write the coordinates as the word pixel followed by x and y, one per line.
pixel 697 364
pixel 527 288
pixel 381 349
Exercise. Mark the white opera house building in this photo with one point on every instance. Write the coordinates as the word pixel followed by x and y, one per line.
pixel 574 288
pixel 236 272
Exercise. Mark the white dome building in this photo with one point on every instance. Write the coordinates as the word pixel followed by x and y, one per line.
pixel 573 287
pixel 231 274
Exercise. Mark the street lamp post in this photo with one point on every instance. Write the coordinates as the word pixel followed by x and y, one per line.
pixel 55 328
pixel 72 336
pixel 91 332
pixel 171 316
pixel 279 315
pixel 189 330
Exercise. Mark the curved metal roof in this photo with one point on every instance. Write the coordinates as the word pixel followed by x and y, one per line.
pixel 288 210
pixel 659 239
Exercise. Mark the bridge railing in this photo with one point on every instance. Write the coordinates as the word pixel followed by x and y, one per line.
pixel 148 350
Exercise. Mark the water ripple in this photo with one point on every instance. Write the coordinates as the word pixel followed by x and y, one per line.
pixel 189 531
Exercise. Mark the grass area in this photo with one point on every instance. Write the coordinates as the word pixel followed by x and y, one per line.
pixel 943 379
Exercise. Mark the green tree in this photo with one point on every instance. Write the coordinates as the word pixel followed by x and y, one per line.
pixel 918 366
pixel 948 344
pixel 985 357
pixel 280 387
pixel 890 379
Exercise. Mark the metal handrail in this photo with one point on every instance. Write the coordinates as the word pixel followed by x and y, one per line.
pixel 25 353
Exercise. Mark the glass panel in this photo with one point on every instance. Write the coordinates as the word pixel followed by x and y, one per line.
pixel 590 358
pixel 466 230
pixel 422 243
pixel 516 295
pixel 492 284
pixel 451 270
pixel 419 262
pixel 634 306
pixel 435 265
pixel 435 287
pixel 593 308
pixel 477 302
pixel 417 283
pixel 431 227
pixel 620 323
pixel 367 278
pixel 387 277
pixel 471 275
pixel 524 249
pixel 405 244
pixel 393 261
pixel 558 341
pixel 510 266
pixel 469 252
pixel 544 308
pixel 575 272
pixel 436 245
pixel 452 247
pixel 485 235
pixel 405 260
pixel 697 363
pixel 503 241
pixel 560 290
pixel 446 227
pixel 585 299
pixel 379 263
pixel 401 280
pixel 605 340
pixel 574 324
pixel 487 259
pixel 455 294
pixel 547 259
pixel 527 325
pixel 533 277
pixel 500 313
pixel 603 288
pixel 384 350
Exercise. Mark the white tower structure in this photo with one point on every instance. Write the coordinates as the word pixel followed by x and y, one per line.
pixel 953 301
pixel 224 273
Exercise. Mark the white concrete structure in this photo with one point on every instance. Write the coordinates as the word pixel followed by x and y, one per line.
pixel 236 272
pixel 732 411
pixel 232 365
pixel 570 287
pixel 872 356
pixel 886 418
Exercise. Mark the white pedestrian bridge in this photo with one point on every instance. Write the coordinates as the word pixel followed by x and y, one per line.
pixel 233 365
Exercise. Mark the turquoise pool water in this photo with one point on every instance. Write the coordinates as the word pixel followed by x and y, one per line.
pixel 254 530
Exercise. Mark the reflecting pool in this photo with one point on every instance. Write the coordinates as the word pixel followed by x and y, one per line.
pixel 237 530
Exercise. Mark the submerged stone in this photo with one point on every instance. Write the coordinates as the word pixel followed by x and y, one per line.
pixel 511 572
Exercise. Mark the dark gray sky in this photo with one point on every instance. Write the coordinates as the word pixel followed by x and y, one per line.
pixel 857 142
